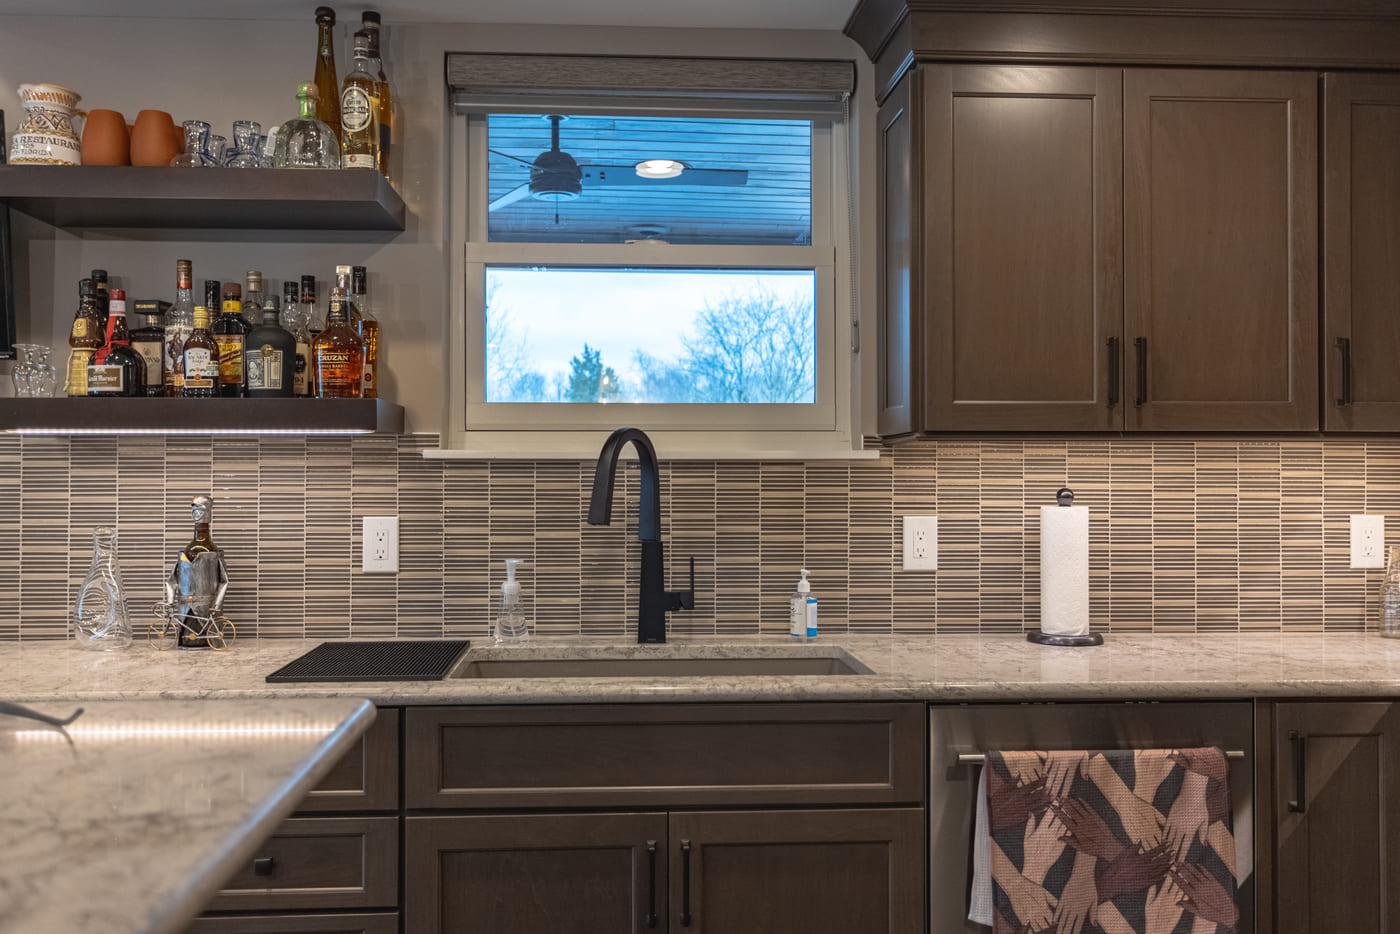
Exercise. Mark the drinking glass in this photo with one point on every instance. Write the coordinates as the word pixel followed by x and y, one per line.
pixel 196 143
pixel 218 148
pixel 33 376
pixel 246 153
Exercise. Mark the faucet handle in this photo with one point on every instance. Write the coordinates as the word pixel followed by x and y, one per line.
pixel 683 599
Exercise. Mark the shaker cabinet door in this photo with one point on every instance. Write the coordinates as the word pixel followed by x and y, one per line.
pixel 1220 249
pixel 1361 250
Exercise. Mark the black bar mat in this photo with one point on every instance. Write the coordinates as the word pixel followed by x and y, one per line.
pixel 379 660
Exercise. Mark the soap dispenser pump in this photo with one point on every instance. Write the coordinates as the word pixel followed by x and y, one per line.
pixel 802 611
pixel 511 626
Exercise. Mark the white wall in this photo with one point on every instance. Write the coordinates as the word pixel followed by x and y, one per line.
pixel 221 71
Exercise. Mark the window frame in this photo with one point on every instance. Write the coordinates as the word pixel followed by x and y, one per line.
pixel 478 428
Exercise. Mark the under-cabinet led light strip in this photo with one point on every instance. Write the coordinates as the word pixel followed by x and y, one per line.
pixel 189 431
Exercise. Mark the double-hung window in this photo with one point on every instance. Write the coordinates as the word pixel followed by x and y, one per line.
pixel 652 242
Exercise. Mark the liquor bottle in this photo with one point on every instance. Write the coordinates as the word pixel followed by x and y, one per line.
pixel 291 301
pixel 190 638
pixel 370 23
pixel 178 324
pixel 327 82
pixel 201 359
pixel 339 354
pixel 313 329
pixel 253 298
pixel 305 142
pixel 272 353
pixel 368 330
pixel 122 371
pixel 230 332
pixel 359 112
pixel 99 280
pixel 148 340
pixel 84 336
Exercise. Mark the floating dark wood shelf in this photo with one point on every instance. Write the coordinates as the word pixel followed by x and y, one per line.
pixel 135 196
pixel 65 416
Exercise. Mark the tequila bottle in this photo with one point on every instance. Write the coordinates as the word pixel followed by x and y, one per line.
pixel 371 24
pixel 307 143
pixel 327 82
pixel 359 112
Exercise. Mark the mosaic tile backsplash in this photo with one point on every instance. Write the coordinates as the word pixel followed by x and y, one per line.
pixel 1185 535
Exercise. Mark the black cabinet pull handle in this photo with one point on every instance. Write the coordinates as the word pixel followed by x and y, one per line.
pixel 685 883
pixel 1140 344
pixel 1113 374
pixel 263 866
pixel 1344 345
pixel 651 883
pixel 1299 804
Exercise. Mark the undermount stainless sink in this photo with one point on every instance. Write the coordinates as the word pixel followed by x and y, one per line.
pixel 658 663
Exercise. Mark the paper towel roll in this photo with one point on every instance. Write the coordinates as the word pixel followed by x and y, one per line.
pixel 1064 570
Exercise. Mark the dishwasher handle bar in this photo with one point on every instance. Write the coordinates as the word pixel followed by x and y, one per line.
pixel 977 758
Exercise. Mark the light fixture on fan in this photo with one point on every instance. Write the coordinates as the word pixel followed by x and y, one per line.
pixel 660 168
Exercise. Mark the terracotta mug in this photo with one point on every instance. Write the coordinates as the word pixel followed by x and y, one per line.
pixel 153 138
pixel 105 140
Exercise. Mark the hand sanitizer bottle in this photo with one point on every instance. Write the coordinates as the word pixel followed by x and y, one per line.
pixel 511 626
pixel 802 611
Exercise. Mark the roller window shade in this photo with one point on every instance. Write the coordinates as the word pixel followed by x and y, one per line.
pixel 791 87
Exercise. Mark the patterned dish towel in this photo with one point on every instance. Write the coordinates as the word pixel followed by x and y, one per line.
pixel 1113 842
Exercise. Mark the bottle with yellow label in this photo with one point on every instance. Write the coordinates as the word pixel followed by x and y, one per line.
pixel 231 333
pixel 201 359
pixel 85 337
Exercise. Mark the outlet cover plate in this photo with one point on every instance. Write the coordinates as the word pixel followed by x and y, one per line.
pixel 1368 541
pixel 380 554
pixel 920 543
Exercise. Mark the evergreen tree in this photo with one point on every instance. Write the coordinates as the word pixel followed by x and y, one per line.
pixel 590 380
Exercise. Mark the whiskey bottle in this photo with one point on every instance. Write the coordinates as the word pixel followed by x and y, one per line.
pixel 253 298
pixel 148 341
pixel 291 302
pixel 310 321
pixel 359 112
pixel 271 360
pixel 178 324
pixel 201 359
pixel 325 78
pixel 122 371
pixel 84 336
pixel 230 332
pixel 370 23
pixel 339 354
pixel 368 330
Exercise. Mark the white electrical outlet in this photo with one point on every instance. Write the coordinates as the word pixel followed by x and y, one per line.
pixel 1368 541
pixel 381 545
pixel 920 543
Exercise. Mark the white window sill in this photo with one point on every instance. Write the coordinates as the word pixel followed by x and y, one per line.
pixel 670 446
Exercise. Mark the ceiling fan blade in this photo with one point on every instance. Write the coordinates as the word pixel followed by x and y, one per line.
pixel 515 194
pixel 615 176
pixel 497 152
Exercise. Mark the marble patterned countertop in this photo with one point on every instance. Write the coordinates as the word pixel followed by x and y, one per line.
pixel 931 668
pixel 138 815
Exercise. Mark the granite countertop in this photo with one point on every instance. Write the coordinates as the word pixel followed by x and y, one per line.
pixel 135 818
pixel 926 668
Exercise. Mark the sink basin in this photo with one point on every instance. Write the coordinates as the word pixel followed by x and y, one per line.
pixel 672 664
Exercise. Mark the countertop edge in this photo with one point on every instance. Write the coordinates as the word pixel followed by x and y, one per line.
pixel 208 876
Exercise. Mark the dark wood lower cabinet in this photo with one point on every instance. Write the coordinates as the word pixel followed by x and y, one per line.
pixel 843 871
pixel 1337 817
pixel 298 924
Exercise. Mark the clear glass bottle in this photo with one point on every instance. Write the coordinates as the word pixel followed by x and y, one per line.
pixel 293 321
pixel 307 143
pixel 179 321
pixel 1390 596
pixel 370 23
pixel 196 146
pixel 511 625
pixel 359 112
pixel 368 329
pixel 338 358
pixel 327 82
pixel 201 359
pixel 311 321
pixel 99 619
pixel 247 134
pixel 253 297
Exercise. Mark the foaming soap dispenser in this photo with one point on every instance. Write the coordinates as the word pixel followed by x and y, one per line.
pixel 511 627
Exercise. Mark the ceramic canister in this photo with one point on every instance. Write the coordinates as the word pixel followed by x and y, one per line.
pixel 46 136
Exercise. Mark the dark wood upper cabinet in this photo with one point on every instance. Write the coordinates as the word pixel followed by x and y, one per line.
pixel 1220 249
pixel 1361 246
pixel 1022 225
pixel 900 278
pixel 1336 807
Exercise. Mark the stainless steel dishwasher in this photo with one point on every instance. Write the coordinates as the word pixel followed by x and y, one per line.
pixel 970 729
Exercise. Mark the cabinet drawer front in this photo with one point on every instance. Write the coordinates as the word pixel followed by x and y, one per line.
pixel 663 755
pixel 387 923
pixel 319 862
pixel 367 777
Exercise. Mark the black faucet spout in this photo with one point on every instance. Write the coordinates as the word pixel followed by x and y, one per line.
pixel 653 600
